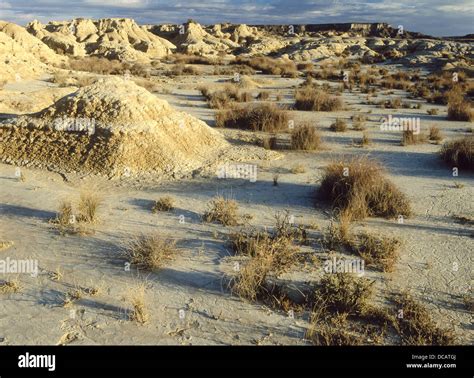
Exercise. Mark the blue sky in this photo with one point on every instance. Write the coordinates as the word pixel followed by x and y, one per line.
pixel 435 17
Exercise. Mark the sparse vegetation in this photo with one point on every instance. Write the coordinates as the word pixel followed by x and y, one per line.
pixel 339 125
pixel 435 134
pixel 222 210
pixel 298 168
pixel 305 137
pixel 378 251
pixel 416 327
pixel 459 153
pixel 9 286
pixel 409 137
pixel 150 252
pixel 137 298
pixel 261 117
pixel 316 100
pixel 88 206
pixel 359 188
pixel 163 204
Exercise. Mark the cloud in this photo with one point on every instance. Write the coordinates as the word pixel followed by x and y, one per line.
pixel 436 17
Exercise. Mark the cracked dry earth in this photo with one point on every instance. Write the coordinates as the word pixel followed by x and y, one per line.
pixel 435 264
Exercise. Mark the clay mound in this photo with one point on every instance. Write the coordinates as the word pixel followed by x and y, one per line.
pixel 120 39
pixel 192 38
pixel 23 56
pixel 114 128
pixel 31 44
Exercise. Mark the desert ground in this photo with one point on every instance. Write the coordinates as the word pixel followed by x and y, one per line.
pixel 167 105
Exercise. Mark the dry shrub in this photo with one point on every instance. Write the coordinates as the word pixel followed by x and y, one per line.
pixel 249 282
pixel 163 204
pixel 432 111
pixel 305 137
pixel 460 111
pixel 283 67
pixel 316 100
pixel 365 141
pixel 260 117
pixel 263 96
pixel 149 85
pixel 344 292
pixel 333 331
pixel 97 65
pixel 378 251
pixel 222 210
pixel 339 126
pixel 416 327
pixel 64 216
pixel 358 188
pixel 181 69
pixel 298 168
pixel 151 251
pixel 305 66
pixel 459 153
pixel 409 138
pixel 241 69
pixel 88 206
pixel 223 98
pixel 139 312
pixel 193 59
pixel 9 286
pixel 338 234
pixel 435 134
pixel 358 122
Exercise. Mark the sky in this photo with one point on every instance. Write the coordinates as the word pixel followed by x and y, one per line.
pixel 433 17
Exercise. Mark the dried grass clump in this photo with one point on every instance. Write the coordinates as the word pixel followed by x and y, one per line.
pixel 223 98
pixel 459 109
pixel 262 117
pixel 378 251
pixel 337 235
pixel 435 134
pixel 283 67
pixel 339 126
pixel 459 153
pixel 298 168
pixel 150 252
pixel 222 210
pixel 359 189
pixel 163 204
pixel 88 207
pixel 345 293
pixel 358 122
pixel 98 65
pixel 410 138
pixel 139 312
pixel 305 137
pixel 316 100
pixel 416 327
pixel 182 70
pixel 332 331
pixel 9 286
pixel 249 282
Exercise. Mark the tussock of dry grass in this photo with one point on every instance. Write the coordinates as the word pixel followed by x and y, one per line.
pixel 163 204
pixel 283 67
pixel 137 298
pixel 224 97
pixel 459 109
pixel 305 137
pixel 358 122
pixel 88 207
pixel 410 138
pixel 151 251
pixel 183 70
pixel 333 331
pixel 222 210
pixel 359 188
pixel 298 168
pixel 435 134
pixel 459 153
pixel 316 100
pixel 416 327
pixel 261 117
pixel 378 251
pixel 345 293
pixel 339 126
pixel 9 286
